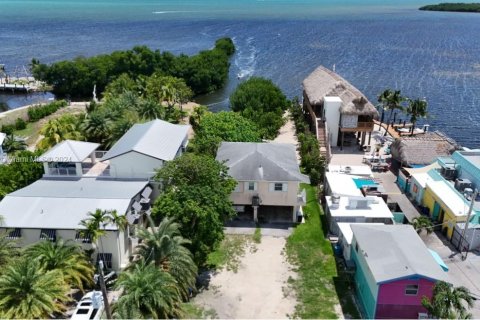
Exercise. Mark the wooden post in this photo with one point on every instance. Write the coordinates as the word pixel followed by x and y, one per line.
pixel 341 144
pixel 369 137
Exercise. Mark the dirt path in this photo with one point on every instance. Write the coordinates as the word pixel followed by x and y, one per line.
pixel 258 290
pixel 286 134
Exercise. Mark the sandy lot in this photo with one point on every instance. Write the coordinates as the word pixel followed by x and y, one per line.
pixel 286 134
pixel 258 290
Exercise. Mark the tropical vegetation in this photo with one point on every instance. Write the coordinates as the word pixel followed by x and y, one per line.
pixel 391 101
pixel 261 101
pixel 165 247
pixel 38 112
pixel 65 256
pixel 27 291
pixel 454 7
pixel 213 128
pixel 19 173
pixel 196 191
pixel 422 223
pixel 416 109
pixel 449 302
pixel 59 129
pixel 205 72
pixel 312 162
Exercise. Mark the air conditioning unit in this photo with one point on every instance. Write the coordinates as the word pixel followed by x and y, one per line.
pixel 422 315
pixel 449 173
pixel 461 184
pixel 360 202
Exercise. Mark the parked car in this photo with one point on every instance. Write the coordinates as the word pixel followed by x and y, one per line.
pixel 89 307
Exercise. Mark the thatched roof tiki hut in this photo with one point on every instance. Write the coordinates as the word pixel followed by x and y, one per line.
pixel 336 107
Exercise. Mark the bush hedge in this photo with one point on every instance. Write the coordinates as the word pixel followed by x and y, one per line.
pixel 38 112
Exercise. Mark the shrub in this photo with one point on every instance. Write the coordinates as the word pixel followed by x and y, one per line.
pixel 20 124
pixel 8 129
pixel 38 112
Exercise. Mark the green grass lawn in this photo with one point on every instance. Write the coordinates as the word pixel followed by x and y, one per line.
pixel 229 252
pixel 319 285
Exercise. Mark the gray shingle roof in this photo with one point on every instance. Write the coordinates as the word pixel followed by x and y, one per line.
pixel 395 252
pixel 62 204
pixel 158 139
pixel 422 149
pixel 69 151
pixel 248 161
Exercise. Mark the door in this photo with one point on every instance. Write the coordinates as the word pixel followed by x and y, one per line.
pixel 436 210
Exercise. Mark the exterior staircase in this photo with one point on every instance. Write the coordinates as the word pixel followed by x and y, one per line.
pixel 323 140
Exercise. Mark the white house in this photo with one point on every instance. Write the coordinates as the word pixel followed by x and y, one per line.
pixel 145 147
pixel 268 180
pixel 49 209
pixel 356 209
pixel 79 179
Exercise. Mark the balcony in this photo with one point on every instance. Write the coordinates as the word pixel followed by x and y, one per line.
pixel 360 126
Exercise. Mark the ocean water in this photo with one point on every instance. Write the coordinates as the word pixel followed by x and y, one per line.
pixel 374 44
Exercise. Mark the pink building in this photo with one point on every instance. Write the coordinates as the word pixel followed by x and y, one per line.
pixel 394 271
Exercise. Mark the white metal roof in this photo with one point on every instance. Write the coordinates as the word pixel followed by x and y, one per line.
pixel 342 184
pixel 422 178
pixel 158 139
pixel 379 209
pixel 346 229
pixel 449 197
pixel 69 151
pixel 394 252
pixel 56 204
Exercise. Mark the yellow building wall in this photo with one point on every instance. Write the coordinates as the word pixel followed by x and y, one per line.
pixel 429 199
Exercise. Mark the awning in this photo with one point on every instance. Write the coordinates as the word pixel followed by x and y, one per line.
pixel 439 260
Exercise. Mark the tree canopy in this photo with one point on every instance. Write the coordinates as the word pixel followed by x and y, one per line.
pixel 207 71
pixel 214 128
pixel 196 191
pixel 261 101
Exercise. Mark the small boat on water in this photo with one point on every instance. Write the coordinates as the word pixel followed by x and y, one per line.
pixel 89 307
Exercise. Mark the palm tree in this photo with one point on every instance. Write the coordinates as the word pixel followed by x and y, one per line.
pixel 448 302
pixel 94 226
pixel 165 247
pixel 26 291
pixel 12 143
pixel 8 251
pixel 66 257
pixel 150 109
pixel 391 101
pixel 57 130
pixel 197 115
pixel 422 223
pixel 97 127
pixel 416 109
pixel 147 291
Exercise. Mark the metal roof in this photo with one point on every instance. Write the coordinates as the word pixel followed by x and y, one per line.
pixel 69 151
pixel 158 139
pixel 248 161
pixel 395 252
pixel 62 204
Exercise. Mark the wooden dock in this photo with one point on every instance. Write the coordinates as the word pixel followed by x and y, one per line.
pixel 20 85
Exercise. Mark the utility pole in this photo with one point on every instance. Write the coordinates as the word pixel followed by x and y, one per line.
pixel 472 202
pixel 104 291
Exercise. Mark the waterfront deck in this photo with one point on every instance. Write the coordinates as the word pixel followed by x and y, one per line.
pixel 20 85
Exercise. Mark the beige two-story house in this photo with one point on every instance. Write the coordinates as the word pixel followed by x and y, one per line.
pixel 268 180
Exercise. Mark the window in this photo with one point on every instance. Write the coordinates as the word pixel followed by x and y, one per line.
pixel 278 186
pixel 14 234
pixel 106 258
pixel 411 289
pixel 48 234
pixel 83 237
pixel 250 186
pixel 415 188
pixel 356 246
